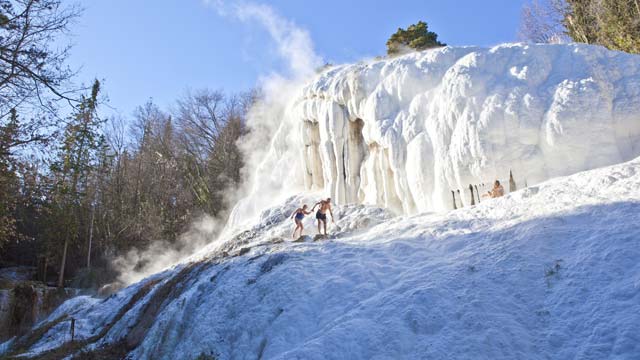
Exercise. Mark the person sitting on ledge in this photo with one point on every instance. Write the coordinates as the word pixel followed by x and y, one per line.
pixel 497 190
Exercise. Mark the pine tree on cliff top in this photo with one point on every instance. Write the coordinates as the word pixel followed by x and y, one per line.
pixel 416 37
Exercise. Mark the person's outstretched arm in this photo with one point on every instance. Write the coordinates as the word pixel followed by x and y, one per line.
pixel 314 206
pixel 332 218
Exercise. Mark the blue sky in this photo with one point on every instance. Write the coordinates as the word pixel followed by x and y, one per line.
pixel 157 49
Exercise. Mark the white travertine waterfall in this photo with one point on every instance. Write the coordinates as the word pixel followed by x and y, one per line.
pixel 402 133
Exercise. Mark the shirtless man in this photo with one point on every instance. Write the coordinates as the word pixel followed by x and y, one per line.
pixel 321 214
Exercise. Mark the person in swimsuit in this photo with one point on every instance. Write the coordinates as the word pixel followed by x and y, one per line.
pixel 321 215
pixel 298 215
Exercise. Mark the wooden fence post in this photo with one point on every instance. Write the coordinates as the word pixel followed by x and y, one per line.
pixel 512 183
pixel 73 328
pixel 453 194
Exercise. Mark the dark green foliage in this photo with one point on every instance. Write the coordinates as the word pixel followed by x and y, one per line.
pixel 612 23
pixel 416 37
pixel 72 171
pixel 580 21
pixel 8 192
pixel 8 180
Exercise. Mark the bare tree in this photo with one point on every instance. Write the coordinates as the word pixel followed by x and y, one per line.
pixel 209 125
pixel 542 21
pixel 33 74
pixel 200 115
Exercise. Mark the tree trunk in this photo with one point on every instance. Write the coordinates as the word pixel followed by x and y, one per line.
pixel 93 212
pixel 63 263
pixel 44 271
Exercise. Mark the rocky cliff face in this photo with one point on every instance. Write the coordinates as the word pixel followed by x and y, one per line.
pixel 24 302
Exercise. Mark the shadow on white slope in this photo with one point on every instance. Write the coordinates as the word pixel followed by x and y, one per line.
pixel 548 272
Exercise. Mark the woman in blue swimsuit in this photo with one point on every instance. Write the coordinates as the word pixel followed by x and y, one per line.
pixel 298 215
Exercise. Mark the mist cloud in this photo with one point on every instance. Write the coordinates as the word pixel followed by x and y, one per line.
pixel 293 43
pixel 138 264
pixel 272 148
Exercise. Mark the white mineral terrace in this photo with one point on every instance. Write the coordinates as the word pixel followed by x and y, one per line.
pixel 402 133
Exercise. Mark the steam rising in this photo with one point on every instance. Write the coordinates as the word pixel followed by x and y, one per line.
pixel 272 172
pixel 266 121
pixel 138 264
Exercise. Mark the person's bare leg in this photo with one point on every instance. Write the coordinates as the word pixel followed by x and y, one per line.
pixel 296 229
pixel 319 222
pixel 325 227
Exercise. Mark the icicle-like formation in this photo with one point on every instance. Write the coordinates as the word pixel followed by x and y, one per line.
pixel 402 133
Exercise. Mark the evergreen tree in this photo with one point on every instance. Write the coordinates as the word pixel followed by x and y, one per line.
pixel 416 37
pixel 76 160
pixel 8 180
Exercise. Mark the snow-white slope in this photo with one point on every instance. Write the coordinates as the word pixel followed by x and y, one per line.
pixel 402 133
pixel 548 272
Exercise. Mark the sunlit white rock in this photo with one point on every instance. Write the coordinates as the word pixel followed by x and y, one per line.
pixel 402 133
